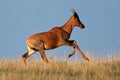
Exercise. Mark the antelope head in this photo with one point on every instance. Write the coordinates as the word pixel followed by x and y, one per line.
pixel 76 19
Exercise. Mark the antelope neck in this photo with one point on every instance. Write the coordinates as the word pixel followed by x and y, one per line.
pixel 68 26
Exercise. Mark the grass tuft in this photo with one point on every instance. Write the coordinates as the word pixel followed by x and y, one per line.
pixel 102 69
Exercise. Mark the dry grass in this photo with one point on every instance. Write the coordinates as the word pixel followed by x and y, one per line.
pixel 108 69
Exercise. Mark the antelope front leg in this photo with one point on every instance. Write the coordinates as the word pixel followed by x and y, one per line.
pixel 73 52
pixel 75 46
pixel 81 53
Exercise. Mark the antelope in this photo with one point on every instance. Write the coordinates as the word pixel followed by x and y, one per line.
pixel 56 37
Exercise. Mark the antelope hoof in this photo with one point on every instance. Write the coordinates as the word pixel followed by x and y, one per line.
pixel 73 53
pixel 86 58
pixel 69 55
pixel 24 60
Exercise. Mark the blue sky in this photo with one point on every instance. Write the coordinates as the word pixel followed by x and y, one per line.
pixel 21 18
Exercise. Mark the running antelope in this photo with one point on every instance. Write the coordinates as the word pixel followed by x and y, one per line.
pixel 57 36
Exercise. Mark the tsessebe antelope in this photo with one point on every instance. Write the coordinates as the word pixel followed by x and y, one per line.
pixel 57 36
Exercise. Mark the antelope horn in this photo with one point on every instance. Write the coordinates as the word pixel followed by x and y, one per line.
pixel 73 11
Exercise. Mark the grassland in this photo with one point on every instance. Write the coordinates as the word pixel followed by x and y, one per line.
pixel 102 69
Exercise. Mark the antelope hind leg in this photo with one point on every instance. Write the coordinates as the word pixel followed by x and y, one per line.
pixel 24 57
pixel 43 55
pixel 27 54
pixel 44 58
